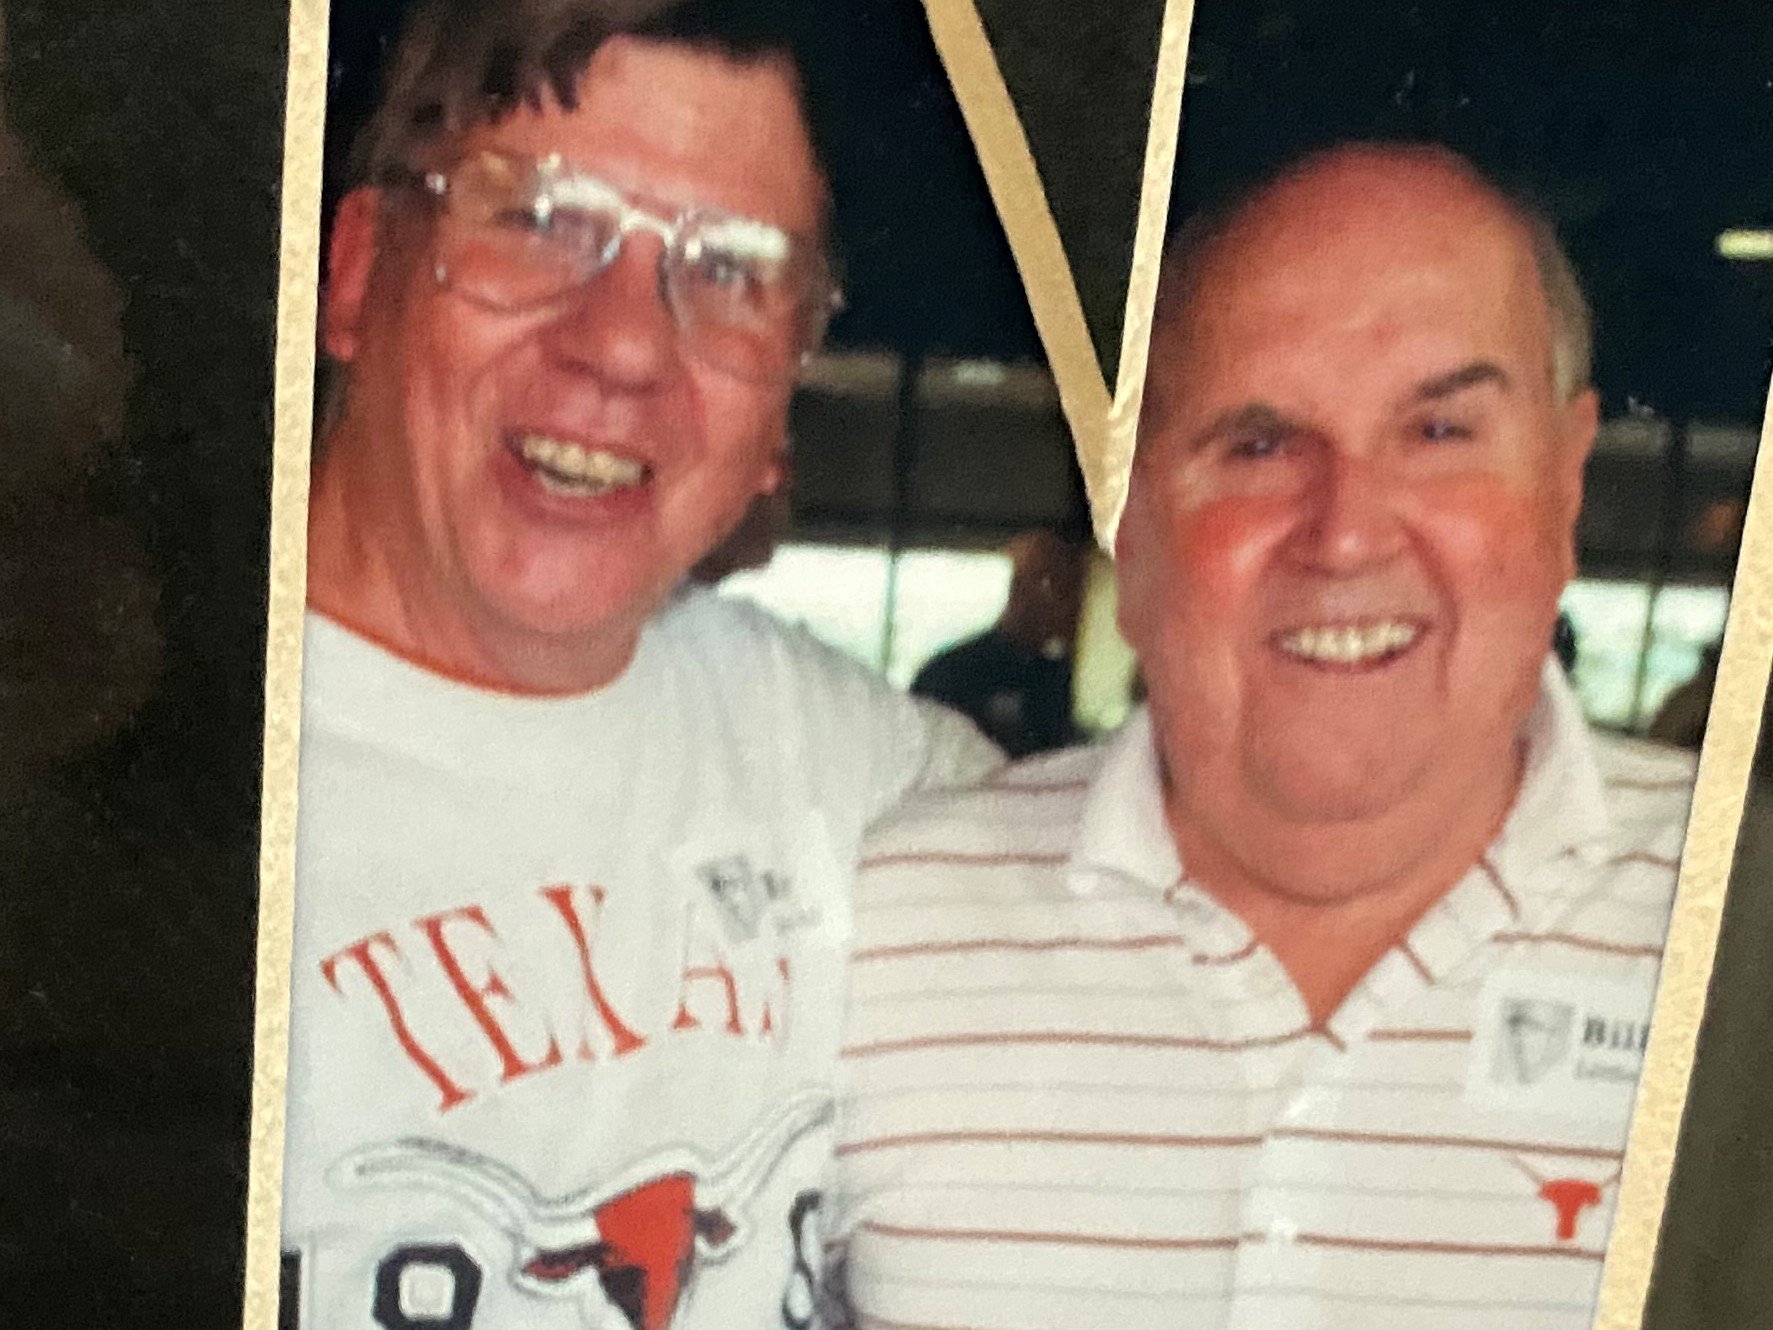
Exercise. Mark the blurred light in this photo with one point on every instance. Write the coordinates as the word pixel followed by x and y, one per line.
pixel 979 373
pixel 1746 243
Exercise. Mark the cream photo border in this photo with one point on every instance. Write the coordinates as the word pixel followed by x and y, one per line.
pixel 1104 419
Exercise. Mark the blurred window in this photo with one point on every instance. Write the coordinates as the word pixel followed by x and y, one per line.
pixel 943 597
pixel 1684 621
pixel 838 592
pixel 1636 643
pixel 892 620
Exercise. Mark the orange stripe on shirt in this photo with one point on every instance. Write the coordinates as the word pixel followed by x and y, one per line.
pixel 965 945
pixel 1443 1142
pixel 1080 1038
pixel 1584 943
pixel 1442 1248
pixel 1062 1239
pixel 1135 1139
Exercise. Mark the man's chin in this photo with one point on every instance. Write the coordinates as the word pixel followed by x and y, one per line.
pixel 1341 788
pixel 565 641
pixel 560 626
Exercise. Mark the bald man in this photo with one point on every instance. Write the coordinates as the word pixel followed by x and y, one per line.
pixel 1317 996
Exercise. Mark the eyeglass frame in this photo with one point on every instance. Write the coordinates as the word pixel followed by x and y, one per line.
pixel 434 184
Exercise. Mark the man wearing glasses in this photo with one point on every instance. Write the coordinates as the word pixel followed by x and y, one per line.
pixel 574 843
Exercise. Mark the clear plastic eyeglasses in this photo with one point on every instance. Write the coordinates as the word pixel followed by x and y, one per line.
pixel 521 233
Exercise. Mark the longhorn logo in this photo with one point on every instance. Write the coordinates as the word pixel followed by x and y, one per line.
pixel 1568 1197
pixel 634 1243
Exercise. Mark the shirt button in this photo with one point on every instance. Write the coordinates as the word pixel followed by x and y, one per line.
pixel 1282 1230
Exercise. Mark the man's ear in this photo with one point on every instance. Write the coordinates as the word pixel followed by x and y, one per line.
pixel 778 473
pixel 1580 422
pixel 351 260
pixel 773 476
pixel 1134 560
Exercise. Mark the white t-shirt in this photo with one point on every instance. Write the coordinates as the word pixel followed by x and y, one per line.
pixel 567 976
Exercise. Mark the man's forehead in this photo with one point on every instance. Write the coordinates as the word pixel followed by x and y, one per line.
pixel 1360 219
pixel 1376 179
pixel 1365 304
pixel 1365 252
pixel 680 124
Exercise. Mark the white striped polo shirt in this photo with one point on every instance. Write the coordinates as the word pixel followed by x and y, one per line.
pixel 1079 1094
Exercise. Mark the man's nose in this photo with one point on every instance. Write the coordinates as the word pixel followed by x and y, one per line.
pixel 618 325
pixel 1350 521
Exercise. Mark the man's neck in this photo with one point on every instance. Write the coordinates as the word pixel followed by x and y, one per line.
pixel 1385 879
pixel 354 578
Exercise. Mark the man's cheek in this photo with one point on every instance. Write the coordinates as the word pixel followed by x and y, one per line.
pixel 1492 529
pixel 1221 547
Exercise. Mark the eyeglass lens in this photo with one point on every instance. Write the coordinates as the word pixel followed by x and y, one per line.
pixel 746 297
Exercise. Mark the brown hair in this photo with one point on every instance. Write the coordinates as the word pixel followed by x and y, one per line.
pixel 464 63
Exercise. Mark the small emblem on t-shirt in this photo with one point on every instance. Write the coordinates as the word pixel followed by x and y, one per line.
pixel 1563 1045
pixel 760 884
pixel 739 893
pixel 745 896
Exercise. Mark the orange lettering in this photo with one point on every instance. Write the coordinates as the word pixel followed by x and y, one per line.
pixel 767 1024
pixel 626 1041
pixel 718 971
pixel 475 999
pixel 360 952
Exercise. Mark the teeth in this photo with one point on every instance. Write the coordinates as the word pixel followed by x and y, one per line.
pixel 1349 644
pixel 567 468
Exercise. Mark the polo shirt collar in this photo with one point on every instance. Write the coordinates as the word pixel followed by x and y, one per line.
pixel 1562 804
pixel 1124 831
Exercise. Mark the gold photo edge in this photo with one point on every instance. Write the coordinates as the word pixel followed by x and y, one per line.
pixel 297 313
pixel 1104 424
pixel 1706 857
pixel 1163 137
pixel 1020 199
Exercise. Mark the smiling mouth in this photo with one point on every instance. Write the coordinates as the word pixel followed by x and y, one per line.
pixel 577 472
pixel 1350 646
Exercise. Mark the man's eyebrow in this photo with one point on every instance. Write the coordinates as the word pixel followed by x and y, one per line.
pixel 1466 376
pixel 1252 416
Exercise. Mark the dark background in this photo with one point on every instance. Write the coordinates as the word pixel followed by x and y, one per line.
pixel 1711 1263
pixel 1645 126
pixel 127 866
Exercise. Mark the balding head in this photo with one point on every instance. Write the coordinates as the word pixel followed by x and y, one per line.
pixel 1423 182
pixel 1353 509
